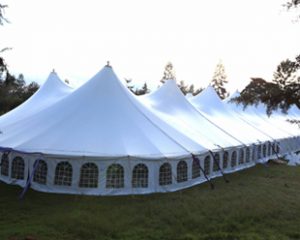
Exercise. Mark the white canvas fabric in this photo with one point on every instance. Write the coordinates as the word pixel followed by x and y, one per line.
pixel 169 103
pixel 50 92
pixel 209 104
pixel 101 118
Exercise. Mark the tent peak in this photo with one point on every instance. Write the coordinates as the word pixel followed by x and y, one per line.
pixel 108 64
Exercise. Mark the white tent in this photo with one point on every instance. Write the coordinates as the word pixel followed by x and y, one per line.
pixel 101 139
pixel 50 92
pixel 100 123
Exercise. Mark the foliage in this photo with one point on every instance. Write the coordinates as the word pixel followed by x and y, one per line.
pixel 3 66
pixel 2 18
pixel 169 73
pixel 137 91
pixel 282 92
pixel 249 207
pixel 294 121
pixel 129 84
pixel 185 89
pixel 219 80
pixel 14 91
pixel 143 90
pixel 292 4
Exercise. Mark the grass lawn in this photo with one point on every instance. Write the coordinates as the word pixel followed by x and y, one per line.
pixel 258 203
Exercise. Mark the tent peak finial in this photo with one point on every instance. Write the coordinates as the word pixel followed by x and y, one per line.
pixel 53 70
pixel 108 64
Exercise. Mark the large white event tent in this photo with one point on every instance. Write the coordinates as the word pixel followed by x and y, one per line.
pixel 100 139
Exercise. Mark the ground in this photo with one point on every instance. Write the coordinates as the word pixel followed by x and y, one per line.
pixel 259 203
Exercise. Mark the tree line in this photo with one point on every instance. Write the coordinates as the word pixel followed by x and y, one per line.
pixel 13 90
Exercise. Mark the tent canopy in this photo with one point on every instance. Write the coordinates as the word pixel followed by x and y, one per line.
pixel 101 118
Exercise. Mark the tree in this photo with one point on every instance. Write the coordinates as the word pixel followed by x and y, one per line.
pixel 185 88
pixel 3 66
pixel 282 92
pixel 219 80
pixel 2 18
pixel 135 90
pixel 129 84
pixel 292 4
pixel 13 91
pixel 169 73
pixel 142 91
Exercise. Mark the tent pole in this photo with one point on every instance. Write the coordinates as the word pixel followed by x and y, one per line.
pixel 274 149
pixel 202 170
pixel 29 179
pixel 218 165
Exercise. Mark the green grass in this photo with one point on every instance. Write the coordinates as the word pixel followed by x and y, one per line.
pixel 258 203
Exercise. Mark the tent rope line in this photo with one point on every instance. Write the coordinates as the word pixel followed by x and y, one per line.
pixel 274 149
pixel 29 179
pixel 202 170
pixel 218 165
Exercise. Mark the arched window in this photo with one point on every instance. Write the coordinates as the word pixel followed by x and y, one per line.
pixel 225 160
pixel 17 168
pixel 89 176
pixel 182 170
pixel 233 159
pixel 264 150
pixel 247 154
pixel 165 174
pixel 63 174
pixel 241 156
pixel 4 164
pixel 207 165
pixel 269 149
pixel 40 174
pixel 140 176
pixel 216 162
pixel 196 168
pixel 115 176
pixel 259 152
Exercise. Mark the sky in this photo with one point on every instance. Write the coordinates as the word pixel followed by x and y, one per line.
pixel 77 38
